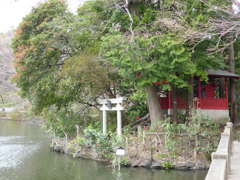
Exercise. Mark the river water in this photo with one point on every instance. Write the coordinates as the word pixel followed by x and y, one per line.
pixel 25 155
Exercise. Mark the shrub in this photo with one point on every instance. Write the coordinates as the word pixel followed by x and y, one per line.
pixel 101 142
pixel 167 165
pixel 199 127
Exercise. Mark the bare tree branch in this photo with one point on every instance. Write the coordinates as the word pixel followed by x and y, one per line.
pixel 130 17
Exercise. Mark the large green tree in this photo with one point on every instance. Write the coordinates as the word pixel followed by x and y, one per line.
pixel 157 41
pixel 56 63
pixel 53 62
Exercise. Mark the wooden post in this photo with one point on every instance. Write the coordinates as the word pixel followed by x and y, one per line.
pixel 139 131
pixel 196 147
pixel 77 128
pixel 119 163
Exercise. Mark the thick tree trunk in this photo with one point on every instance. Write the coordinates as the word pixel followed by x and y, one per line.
pixel 232 87
pixel 190 96
pixel 155 111
pixel 174 99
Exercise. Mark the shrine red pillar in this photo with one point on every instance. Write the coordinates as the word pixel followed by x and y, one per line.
pixel 226 91
pixel 199 92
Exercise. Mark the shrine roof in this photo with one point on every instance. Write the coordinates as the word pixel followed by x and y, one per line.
pixel 221 73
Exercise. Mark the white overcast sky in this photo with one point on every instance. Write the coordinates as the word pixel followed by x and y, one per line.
pixel 12 11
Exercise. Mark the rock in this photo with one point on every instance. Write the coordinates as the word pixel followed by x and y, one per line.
pixel 180 166
pixel 52 147
pixel 135 164
pixel 156 165
pixel 207 166
pixel 190 164
pixel 146 163
pixel 94 154
pixel 58 148
pixel 77 153
pixel 68 150
pixel 199 165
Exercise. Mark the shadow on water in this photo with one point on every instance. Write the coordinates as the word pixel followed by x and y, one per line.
pixel 25 155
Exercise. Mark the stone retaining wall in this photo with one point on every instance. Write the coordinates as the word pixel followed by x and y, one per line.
pixel 220 165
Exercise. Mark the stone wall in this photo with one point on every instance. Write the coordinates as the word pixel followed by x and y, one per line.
pixel 217 115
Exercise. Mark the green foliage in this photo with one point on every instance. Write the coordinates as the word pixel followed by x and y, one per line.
pixel 172 131
pixel 202 126
pixel 165 56
pixel 53 59
pixel 125 161
pixel 79 140
pixel 157 58
pixel 137 110
pixel 104 144
pixel 198 126
pixel 57 64
pixel 38 46
pixel 209 152
pixel 167 165
pixel 74 149
pixel 61 123
pixel 63 59
pixel 162 155
pixel 139 107
pixel 205 128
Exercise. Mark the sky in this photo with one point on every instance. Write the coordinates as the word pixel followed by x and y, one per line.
pixel 12 11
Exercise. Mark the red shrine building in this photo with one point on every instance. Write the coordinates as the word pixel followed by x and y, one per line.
pixel 211 98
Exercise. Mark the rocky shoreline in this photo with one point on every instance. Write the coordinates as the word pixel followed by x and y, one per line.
pixel 39 123
pixel 183 164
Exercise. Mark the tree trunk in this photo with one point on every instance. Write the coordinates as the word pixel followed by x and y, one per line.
pixel 190 97
pixel 174 99
pixel 155 111
pixel 232 86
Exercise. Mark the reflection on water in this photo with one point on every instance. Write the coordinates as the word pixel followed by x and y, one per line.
pixel 25 155
pixel 10 152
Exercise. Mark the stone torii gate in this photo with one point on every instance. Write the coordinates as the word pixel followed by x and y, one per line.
pixel 107 105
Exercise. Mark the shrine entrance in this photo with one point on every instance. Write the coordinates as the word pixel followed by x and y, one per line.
pixel 112 105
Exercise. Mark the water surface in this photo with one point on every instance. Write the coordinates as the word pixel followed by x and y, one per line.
pixel 25 155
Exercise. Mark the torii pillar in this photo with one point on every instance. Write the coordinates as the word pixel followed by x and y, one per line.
pixel 107 106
